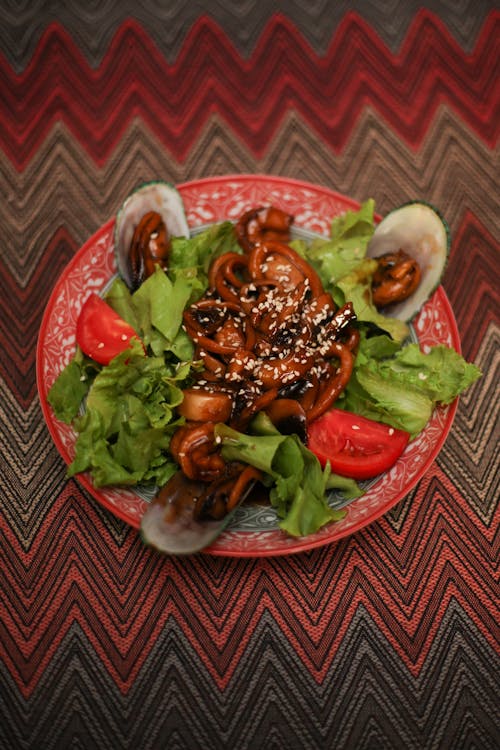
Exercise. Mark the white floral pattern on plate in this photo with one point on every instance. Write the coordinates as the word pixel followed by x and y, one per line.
pixel 253 531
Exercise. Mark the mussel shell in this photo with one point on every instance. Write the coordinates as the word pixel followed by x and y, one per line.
pixel 418 228
pixel 158 196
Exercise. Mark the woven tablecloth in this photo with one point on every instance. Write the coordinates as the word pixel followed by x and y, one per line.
pixel 385 639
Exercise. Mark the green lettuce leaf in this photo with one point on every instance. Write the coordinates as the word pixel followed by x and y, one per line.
pixel 298 483
pixel 71 386
pixel 441 373
pixel 349 488
pixel 402 390
pixel 387 400
pixel 195 254
pixel 155 311
pixel 124 434
pixel 349 237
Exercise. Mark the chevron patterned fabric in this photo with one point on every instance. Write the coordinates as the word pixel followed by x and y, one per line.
pixel 387 639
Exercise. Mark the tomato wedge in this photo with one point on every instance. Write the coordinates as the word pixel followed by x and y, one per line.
pixel 356 447
pixel 100 332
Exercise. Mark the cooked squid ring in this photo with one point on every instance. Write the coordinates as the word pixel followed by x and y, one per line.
pixel 352 340
pixel 263 224
pixel 319 309
pixel 215 367
pixel 281 313
pixel 335 384
pixel 253 293
pixel 338 327
pixel 263 263
pixel 241 364
pixel 212 500
pixel 260 403
pixel 193 447
pixel 231 334
pixel 188 500
pixel 223 278
pixel 288 416
pixel 284 370
pixel 199 328
pixel 222 495
pixel 310 393
pixel 248 476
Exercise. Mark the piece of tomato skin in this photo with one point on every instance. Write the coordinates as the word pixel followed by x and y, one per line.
pixel 101 333
pixel 366 451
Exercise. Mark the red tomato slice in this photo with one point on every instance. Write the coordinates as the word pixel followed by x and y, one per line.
pixel 100 332
pixel 355 446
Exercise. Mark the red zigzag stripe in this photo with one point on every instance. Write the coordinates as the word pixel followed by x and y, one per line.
pixel 252 96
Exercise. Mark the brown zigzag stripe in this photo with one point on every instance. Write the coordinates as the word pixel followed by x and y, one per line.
pixel 396 517
pixel 453 524
pixel 405 709
pixel 374 163
pixel 476 255
pixel 471 453
pixel 124 630
pixel 24 455
pixel 24 423
pixel 25 505
pixel 21 314
pixel 308 589
pixel 94 28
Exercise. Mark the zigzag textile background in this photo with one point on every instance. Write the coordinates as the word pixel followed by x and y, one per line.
pixel 386 639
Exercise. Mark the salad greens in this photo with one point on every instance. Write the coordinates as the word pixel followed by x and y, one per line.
pixel 130 405
pixel 403 389
pixel 124 433
pixel 298 484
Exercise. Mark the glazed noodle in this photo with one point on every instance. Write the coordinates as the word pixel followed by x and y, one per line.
pixel 269 338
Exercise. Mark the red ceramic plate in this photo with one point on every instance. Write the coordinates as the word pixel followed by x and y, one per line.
pixel 254 530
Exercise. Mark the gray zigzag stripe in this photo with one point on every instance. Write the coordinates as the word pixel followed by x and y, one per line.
pixel 451 703
pixel 168 23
